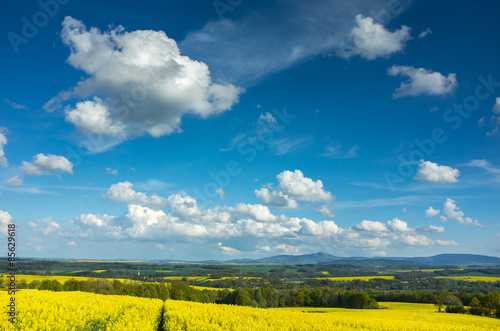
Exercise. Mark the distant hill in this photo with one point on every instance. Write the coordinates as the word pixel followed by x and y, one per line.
pixel 461 260
pixel 292 259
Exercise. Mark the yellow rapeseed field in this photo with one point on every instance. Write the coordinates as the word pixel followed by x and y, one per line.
pixel 187 316
pixel 473 278
pixel 72 311
pixel 61 279
pixel 347 279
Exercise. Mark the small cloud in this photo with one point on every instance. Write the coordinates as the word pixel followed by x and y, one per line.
pixel 14 104
pixel 110 171
pixel 45 226
pixel 335 151
pixel 425 33
pixel 160 247
pixel 325 210
pixel 124 192
pixel 70 243
pixel 431 172
pixel 433 109
pixel 220 192
pixel 371 40
pixel 228 250
pixel 14 181
pixel 496 106
pixel 3 142
pixel 47 165
pixel 431 212
pixel 422 82
pixel 451 210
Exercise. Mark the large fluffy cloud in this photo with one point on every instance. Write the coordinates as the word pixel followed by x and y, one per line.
pixel 148 85
pixel 42 164
pixel 422 81
pixel 371 40
pixel 124 192
pixel 432 172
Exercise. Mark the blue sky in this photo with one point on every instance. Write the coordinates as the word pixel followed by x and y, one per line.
pixel 231 129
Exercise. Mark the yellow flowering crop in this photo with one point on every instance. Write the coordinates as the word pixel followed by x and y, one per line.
pixel 74 311
pixel 187 316
pixel 364 278
pixel 473 278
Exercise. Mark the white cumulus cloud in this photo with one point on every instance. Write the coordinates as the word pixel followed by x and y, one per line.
pixel 431 212
pixel 45 226
pixel 124 192
pixel 257 212
pixel 451 210
pixel 14 181
pixel 371 226
pixel 47 164
pixel 422 81
pixel 398 225
pixel 3 142
pixel 303 188
pixel 371 40
pixel 432 172
pixel 94 117
pixel 5 219
pixel 496 106
pixel 325 210
pixel 145 82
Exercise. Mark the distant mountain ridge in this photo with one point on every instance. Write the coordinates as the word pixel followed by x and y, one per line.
pixel 461 260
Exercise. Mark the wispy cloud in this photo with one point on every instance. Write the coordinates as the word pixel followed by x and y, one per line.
pixel 14 105
pixel 486 165
pixel 335 151
pixel 271 38
pixel 287 145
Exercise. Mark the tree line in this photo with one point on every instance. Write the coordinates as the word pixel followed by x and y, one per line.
pixel 255 297
pixel 475 303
